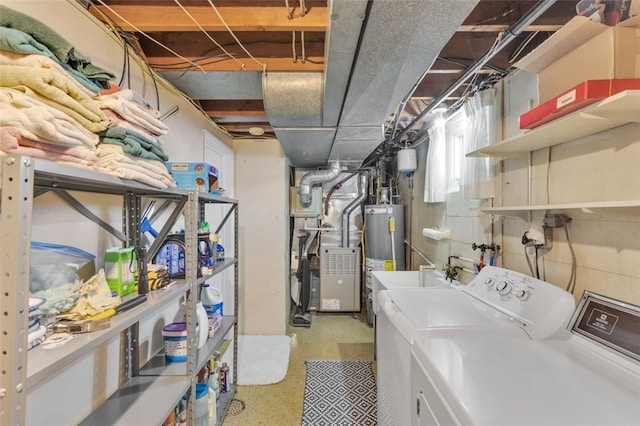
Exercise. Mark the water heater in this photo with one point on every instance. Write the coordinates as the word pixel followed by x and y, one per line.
pixel 384 242
pixel 384 237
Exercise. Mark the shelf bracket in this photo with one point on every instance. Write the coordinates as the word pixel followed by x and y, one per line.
pixel 88 214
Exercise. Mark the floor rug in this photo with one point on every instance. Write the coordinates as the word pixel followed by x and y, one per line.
pixel 339 393
pixel 262 360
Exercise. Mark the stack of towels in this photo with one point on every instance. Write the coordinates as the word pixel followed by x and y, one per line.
pixel 130 148
pixel 51 107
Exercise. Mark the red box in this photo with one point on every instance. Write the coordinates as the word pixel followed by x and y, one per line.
pixel 580 96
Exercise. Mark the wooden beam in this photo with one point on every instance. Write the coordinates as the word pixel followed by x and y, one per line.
pixel 233 108
pixel 155 17
pixel 227 64
pixel 244 127
pixel 189 46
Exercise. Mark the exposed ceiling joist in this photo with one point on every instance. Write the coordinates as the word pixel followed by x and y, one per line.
pixel 239 17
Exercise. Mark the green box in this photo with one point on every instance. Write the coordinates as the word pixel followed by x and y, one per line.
pixel 119 268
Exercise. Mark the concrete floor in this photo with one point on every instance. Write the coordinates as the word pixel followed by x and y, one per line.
pixel 332 337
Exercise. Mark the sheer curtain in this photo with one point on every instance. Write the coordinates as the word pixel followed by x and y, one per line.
pixel 435 177
pixel 482 128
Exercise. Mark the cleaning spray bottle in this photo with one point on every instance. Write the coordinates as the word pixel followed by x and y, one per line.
pixel 219 248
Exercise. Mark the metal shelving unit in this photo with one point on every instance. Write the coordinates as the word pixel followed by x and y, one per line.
pixel 144 395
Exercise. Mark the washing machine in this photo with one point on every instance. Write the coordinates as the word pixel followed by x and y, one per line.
pixel 496 301
pixel 590 379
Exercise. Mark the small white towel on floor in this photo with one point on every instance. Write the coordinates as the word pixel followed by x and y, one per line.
pixel 262 360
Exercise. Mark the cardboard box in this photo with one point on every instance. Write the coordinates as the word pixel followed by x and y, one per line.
pixel 585 50
pixel 199 176
pixel 580 96
pixel 119 268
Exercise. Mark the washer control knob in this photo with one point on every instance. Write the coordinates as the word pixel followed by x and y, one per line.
pixel 504 287
pixel 489 282
pixel 523 294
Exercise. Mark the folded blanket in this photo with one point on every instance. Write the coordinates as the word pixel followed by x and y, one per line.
pixel 40 61
pixel 138 169
pixel 48 87
pixel 60 47
pixel 40 122
pixel 133 143
pixel 12 143
pixel 122 102
pixel 14 135
pixel 117 121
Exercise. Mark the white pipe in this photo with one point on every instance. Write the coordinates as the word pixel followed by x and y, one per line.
pixel 312 178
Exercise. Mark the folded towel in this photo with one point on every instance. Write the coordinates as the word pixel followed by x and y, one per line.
pixel 48 87
pixel 60 47
pixel 116 120
pixel 133 143
pixel 40 61
pixel 114 161
pixel 40 122
pixel 123 103
pixel 11 142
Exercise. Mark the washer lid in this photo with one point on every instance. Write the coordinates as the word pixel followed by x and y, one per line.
pixel 412 310
pixel 493 380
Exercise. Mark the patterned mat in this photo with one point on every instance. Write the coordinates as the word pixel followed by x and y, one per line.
pixel 339 393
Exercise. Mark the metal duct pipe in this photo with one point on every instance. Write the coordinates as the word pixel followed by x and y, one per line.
pixel 512 33
pixel 362 194
pixel 312 178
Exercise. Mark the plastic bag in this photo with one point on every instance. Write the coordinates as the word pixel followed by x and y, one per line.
pixel 53 265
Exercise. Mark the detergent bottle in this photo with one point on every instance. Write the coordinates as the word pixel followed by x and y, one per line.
pixel 212 300
pixel 219 248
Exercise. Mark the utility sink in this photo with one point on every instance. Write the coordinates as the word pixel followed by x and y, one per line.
pixel 387 280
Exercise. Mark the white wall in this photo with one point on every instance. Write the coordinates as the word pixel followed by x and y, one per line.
pixel 262 189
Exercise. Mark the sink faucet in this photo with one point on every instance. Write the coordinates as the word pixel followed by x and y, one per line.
pixel 450 271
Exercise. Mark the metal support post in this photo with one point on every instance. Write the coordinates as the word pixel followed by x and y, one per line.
pixel 17 180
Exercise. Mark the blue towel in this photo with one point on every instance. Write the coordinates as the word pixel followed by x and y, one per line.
pixel 17 41
pixel 58 45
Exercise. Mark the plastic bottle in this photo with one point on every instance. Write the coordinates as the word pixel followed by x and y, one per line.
pixel 224 379
pixel 212 300
pixel 203 325
pixel 214 383
pixel 213 408
pixel 219 248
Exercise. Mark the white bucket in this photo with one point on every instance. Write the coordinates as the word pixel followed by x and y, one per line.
pixel 175 341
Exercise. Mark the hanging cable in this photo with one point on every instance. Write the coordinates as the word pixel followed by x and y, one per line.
pixel 293 46
pixel 289 10
pixel 148 36
pixel 520 48
pixel 264 66
pixel 571 285
pixel 209 36
pixel 304 55
pixel 303 8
